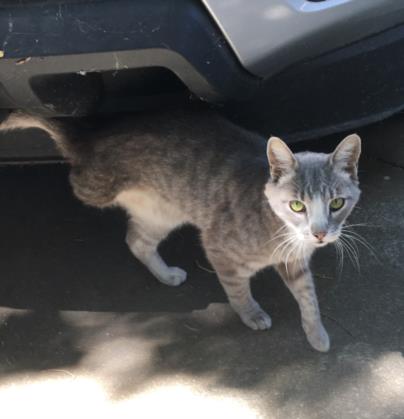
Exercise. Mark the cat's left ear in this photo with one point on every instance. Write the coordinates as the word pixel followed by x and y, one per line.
pixel 346 156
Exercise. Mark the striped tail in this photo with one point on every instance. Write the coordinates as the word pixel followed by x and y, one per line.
pixel 18 120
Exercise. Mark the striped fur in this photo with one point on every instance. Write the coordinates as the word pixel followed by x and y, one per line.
pixel 179 167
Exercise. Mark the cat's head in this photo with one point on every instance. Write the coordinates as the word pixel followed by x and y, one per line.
pixel 313 193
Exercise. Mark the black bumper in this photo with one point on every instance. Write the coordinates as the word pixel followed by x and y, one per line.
pixel 70 58
pixel 86 40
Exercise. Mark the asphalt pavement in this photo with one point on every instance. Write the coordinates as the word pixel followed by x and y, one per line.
pixel 86 331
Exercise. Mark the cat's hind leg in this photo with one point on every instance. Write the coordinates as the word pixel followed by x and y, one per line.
pixel 151 220
pixel 143 240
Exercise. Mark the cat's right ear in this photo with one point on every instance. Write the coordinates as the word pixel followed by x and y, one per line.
pixel 280 157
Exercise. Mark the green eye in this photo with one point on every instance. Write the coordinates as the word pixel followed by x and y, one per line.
pixel 297 206
pixel 337 204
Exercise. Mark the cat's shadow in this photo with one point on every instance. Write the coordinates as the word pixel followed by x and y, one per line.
pixel 96 272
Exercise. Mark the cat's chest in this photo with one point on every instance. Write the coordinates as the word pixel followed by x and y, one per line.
pixel 258 258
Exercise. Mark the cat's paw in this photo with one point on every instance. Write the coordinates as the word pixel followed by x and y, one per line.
pixel 256 319
pixel 318 338
pixel 173 277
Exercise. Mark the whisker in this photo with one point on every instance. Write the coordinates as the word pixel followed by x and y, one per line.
pixel 276 235
pixel 280 245
pixel 287 244
pixel 353 235
pixel 361 225
pixel 347 250
pixel 340 256
pixel 303 260
pixel 285 249
pixel 341 247
pixel 351 251
pixel 349 227
pixel 294 246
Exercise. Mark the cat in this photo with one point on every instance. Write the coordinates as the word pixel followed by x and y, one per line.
pixel 255 203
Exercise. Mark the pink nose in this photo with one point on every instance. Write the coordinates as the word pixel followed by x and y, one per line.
pixel 320 235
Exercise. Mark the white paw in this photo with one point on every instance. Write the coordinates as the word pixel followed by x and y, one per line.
pixel 173 277
pixel 318 338
pixel 256 319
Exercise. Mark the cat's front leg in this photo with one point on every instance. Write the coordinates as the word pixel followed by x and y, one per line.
pixel 299 280
pixel 238 292
pixel 235 279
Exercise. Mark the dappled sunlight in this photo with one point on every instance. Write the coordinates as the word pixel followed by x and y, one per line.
pixel 80 396
pixel 118 374
pixel 388 377
pixel 367 383
pixel 6 312
pixel 201 364
pixel 118 349
pixel 378 387
pixel 185 401
pixel 386 383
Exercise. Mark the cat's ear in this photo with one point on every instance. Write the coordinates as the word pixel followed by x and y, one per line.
pixel 280 157
pixel 346 156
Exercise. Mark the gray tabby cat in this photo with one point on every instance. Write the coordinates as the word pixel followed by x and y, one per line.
pixel 179 167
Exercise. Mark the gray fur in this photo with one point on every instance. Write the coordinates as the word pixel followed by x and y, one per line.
pixel 180 167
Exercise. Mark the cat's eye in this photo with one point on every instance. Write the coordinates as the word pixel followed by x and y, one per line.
pixel 297 206
pixel 336 204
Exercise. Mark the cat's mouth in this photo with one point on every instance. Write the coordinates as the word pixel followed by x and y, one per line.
pixel 327 240
pixel 313 240
pixel 321 243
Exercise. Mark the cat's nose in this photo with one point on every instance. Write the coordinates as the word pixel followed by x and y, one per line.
pixel 319 235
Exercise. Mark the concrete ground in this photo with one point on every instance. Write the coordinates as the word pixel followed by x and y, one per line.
pixel 86 331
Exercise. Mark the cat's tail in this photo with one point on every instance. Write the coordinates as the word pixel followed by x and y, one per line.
pixel 57 130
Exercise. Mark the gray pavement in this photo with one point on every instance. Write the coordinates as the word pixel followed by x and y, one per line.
pixel 85 330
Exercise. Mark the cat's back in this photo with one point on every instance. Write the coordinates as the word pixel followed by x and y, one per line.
pixel 177 130
pixel 177 153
